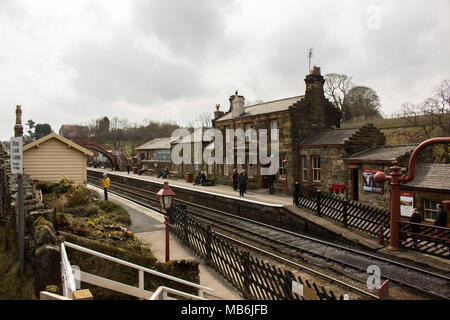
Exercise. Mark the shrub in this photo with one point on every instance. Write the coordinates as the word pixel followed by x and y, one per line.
pixel 79 195
pixel 117 212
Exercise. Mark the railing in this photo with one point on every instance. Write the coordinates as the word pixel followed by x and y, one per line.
pixel 425 238
pixel 351 214
pixel 139 291
pixel 68 280
pixel 161 294
pixel 254 278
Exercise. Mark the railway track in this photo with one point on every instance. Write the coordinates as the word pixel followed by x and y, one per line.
pixel 290 247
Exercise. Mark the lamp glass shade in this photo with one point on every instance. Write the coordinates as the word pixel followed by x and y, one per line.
pixel 167 202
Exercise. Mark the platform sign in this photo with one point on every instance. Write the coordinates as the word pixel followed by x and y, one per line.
pixel 406 203
pixel 16 155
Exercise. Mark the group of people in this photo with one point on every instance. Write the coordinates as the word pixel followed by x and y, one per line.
pixel 441 221
pixel 200 178
pixel 240 181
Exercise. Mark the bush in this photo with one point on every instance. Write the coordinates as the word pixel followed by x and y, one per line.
pixel 79 195
pixel 117 212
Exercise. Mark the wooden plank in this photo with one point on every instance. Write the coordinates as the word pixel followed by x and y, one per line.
pixel 114 285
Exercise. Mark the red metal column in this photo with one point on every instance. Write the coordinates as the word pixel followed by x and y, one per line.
pixel 395 205
pixel 395 178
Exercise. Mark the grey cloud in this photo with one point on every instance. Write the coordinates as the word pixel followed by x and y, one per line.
pixel 193 29
pixel 120 72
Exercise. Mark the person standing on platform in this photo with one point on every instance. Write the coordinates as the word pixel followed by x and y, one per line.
pixel 235 179
pixel 441 221
pixel 128 168
pixel 415 218
pixel 271 180
pixel 106 183
pixel 242 180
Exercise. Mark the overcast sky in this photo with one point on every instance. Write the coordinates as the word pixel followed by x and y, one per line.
pixel 68 62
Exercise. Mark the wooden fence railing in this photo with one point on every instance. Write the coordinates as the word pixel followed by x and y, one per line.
pixel 254 278
pixel 425 238
pixel 351 214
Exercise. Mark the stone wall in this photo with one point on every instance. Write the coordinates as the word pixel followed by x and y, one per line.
pixel 40 237
pixel 333 170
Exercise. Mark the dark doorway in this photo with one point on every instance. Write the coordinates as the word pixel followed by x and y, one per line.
pixel 355 184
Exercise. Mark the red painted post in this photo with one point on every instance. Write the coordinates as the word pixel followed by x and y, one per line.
pixel 395 178
pixel 383 292
pixel 381 236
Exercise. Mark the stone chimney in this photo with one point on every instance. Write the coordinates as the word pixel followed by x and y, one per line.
pixel 314 82
pixel 217 113
pixel 237 103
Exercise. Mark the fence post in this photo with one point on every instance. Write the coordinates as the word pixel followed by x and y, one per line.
pixel 318 203
pixel 296 193
pixel 344 212
pixel 208 238
pixel 246 283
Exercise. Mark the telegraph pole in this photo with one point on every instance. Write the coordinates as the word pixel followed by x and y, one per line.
pixel 17 168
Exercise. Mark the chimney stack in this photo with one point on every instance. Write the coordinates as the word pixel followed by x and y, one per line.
pixel 314 82
pixel 237 103
pixel 217 113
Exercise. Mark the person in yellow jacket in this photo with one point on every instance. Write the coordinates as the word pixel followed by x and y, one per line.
pixel 106 183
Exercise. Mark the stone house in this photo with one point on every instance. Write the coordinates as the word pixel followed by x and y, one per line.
pixel 430 186
pixel 321 155
pixel 296 118
pixel 154 155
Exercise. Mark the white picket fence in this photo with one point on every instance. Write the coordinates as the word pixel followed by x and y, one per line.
pixel 71 277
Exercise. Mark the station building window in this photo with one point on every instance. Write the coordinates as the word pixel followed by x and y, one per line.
pixel 304 168
pixel 315 160
pixel 430 210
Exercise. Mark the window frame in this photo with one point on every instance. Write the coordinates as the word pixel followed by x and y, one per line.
pixel 315 170
pixel 305 168
pixel 429 209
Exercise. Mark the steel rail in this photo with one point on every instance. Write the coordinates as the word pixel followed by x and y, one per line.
pixel 142 193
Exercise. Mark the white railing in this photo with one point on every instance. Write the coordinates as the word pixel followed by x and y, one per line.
pixel 120 287
pixel 68 280
pixel 161 294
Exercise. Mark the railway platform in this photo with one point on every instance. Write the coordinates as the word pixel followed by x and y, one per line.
pixel 148 226
pixel 262 197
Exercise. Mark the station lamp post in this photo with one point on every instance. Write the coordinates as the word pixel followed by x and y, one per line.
pixel 165 197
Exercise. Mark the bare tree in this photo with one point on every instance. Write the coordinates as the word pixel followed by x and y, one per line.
pixel 336 87
pixel 202 121
pixel 431 118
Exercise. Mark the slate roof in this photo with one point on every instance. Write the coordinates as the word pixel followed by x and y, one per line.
pixel 329 137
pixel 156 144
pixel 431 176
pixel 384 153
pixel 265 107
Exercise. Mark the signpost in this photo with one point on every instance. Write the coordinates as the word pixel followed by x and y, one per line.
pixel 17 168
